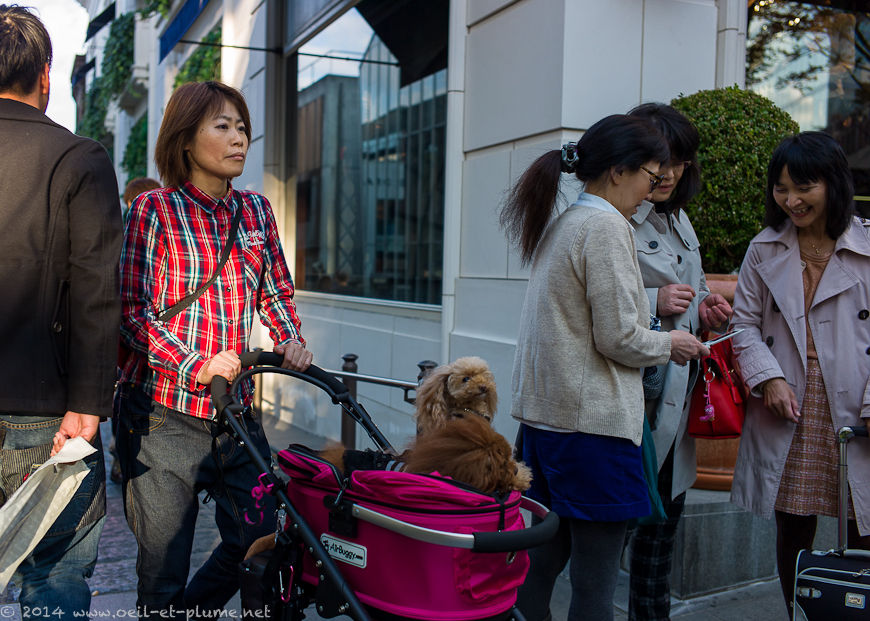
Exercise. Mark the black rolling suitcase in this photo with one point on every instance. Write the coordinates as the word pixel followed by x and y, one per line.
pixel 834 584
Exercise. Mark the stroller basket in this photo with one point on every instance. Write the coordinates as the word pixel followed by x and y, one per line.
pixel 397 545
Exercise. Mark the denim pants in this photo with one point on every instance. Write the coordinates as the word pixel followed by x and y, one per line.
pixel 166 460
pixel 53 576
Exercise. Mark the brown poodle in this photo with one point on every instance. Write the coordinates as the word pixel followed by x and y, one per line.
pixel 467 449
pixel 465 386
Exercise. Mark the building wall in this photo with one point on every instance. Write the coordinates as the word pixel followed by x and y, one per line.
pixel 578 60
pixel 600 58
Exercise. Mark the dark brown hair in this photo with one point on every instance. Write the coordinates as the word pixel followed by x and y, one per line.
pixel 25 49
pixel 683 142
pixel 136 186
pixel 812 157
pixel 189 105
pixel 617 140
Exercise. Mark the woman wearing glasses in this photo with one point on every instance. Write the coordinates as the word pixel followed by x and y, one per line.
pixel 670 264
pixel 584 336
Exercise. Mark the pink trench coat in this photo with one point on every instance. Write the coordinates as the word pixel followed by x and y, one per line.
pixel 769 304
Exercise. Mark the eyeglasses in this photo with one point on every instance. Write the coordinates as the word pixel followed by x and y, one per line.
pixel 654 179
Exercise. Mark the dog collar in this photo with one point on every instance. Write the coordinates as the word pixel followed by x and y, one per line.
pixel 486 417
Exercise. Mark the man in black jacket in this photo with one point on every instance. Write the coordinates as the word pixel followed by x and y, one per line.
pixel 60 238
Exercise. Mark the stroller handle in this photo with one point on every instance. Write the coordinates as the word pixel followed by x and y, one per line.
pixel 221 399
pixel 313 374
pixel 502 541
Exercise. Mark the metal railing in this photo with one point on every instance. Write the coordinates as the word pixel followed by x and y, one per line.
pixel 349 376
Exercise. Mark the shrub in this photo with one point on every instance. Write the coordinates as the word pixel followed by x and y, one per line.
pixel 156 6
pixel 135 160
pixel 739 130
pixel 93 121
pixel 117 64
pixel 205 63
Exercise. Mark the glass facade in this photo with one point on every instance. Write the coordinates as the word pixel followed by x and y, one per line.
pixel 813 60
pixel 370 170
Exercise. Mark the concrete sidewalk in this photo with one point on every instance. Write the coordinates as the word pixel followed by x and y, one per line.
pixel 114 579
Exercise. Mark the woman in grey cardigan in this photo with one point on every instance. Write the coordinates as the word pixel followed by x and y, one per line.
pixel 584 336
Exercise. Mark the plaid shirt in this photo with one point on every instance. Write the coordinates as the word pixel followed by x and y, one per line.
pixel 172 246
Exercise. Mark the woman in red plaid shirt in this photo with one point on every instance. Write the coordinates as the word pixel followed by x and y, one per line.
pixel 168 447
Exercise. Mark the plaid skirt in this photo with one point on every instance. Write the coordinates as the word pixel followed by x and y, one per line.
pixel 810 479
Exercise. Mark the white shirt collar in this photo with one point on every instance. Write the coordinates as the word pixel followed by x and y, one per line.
pixel 591 200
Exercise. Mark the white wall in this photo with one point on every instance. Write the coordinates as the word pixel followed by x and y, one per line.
pixel 538 72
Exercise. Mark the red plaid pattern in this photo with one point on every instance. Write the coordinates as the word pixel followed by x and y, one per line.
pixel 172 246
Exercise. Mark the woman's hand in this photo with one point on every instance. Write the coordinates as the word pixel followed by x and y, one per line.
pixel 714 312
pixel 226 364
pixel 779 399
pixel 296 357
pixel 685 347
pixel 674 299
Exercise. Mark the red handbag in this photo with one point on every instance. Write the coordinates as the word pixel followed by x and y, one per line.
pixel 718 404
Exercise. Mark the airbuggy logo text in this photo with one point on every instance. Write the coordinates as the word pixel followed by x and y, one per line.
pixel 345 551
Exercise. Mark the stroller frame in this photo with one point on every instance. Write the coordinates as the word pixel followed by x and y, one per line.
pixel 333 595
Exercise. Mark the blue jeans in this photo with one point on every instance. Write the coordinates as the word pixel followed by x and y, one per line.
pixel 166 460
pixel 52 577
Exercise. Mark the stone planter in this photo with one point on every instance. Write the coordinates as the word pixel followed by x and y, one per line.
pixel 724 284
pixel 716 458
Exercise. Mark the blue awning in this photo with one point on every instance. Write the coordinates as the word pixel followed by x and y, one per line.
pixel 179 25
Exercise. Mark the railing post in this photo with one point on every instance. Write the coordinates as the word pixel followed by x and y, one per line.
pixel 426 367
pixel 348 425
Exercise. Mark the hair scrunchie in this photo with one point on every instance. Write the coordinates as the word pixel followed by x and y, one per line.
pixel 569 157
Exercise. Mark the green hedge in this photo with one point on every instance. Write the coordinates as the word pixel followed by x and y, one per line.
pixel 93 122
pixel 739 130
pixel 116 69
pixel 205 63
pixel 117 65
pixel 135 160
pixel 158 6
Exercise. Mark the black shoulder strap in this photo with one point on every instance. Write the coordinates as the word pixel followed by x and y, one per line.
pixel 225 254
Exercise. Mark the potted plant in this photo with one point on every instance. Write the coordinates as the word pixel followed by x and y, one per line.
pixel 739 130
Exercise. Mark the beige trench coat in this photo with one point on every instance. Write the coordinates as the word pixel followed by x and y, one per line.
pixel 670 256
pixel 769 305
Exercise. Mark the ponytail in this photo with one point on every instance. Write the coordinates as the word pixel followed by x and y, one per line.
pixel 531 204
pixel 615 140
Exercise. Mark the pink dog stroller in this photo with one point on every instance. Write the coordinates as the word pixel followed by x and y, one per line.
pixel 380 544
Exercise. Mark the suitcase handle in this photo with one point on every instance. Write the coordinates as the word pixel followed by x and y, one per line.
pixel 844 434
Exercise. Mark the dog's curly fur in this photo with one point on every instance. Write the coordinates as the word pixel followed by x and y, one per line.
pixel 467 449
pixel 463 386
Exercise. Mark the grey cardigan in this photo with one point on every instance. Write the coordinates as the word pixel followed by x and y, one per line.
pixel 584 332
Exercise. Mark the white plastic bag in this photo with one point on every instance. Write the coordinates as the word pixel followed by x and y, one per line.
pixel 33 508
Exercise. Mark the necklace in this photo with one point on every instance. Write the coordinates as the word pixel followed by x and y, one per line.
pixel 816 249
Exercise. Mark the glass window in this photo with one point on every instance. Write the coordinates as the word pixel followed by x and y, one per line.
pixel 813 60
pixel 370 174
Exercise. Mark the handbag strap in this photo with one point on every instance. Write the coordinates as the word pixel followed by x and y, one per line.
pixel 225 254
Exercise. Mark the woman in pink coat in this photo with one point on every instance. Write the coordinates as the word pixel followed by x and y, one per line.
pixel 803 297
